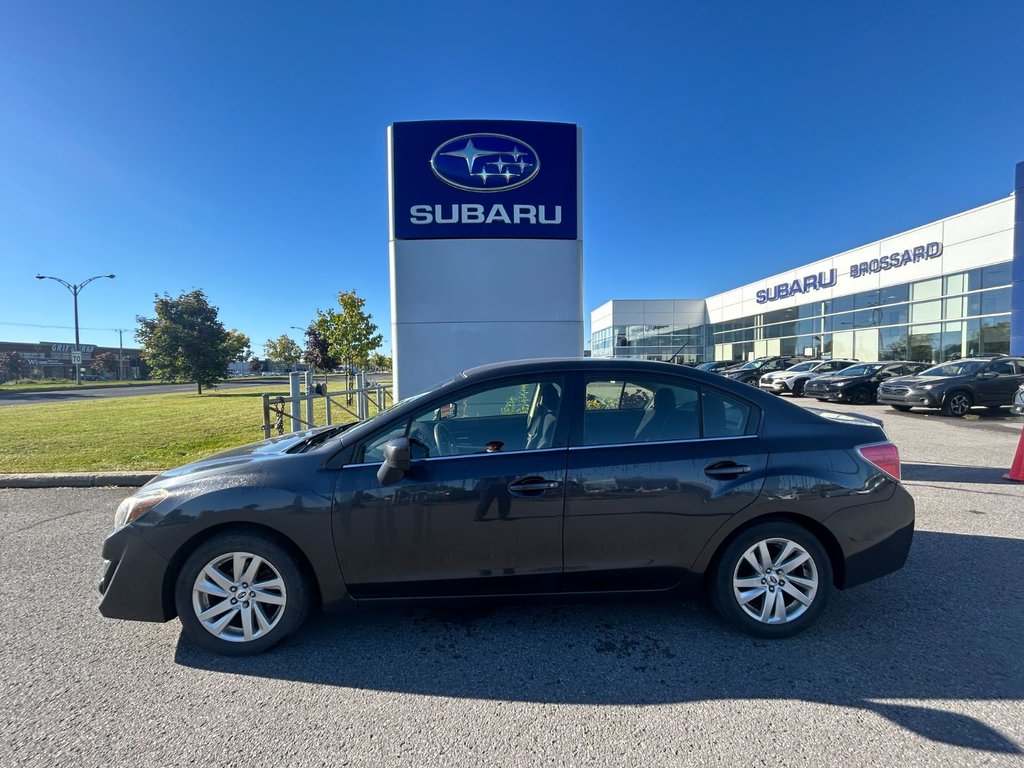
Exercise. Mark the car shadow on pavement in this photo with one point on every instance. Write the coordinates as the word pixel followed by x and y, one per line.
pixel 953 473
pixel 946 627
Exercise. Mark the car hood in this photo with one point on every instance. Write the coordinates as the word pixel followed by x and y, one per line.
pixel 913 381
pixel 245 458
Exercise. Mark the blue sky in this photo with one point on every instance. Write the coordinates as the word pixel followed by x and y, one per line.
pixel 239 147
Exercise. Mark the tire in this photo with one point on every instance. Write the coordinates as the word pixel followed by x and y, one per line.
pixel 736 580
pixel 901 408
pixel 860 396
pixel 798 389
pixel 957 403
pixel 821 399
pixel 226 565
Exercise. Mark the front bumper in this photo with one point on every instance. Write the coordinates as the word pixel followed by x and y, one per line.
pixel 912 397
pixel 777 386
pixel 134 583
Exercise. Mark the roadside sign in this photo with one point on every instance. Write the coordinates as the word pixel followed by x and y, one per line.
pixel 76 358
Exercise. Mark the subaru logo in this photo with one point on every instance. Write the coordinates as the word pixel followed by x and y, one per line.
pixel 485 162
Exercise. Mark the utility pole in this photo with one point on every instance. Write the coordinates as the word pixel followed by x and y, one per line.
pixel 120 353
pixel 75 290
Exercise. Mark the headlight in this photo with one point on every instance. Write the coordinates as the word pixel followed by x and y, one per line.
pixel 925 387
pixel 136 506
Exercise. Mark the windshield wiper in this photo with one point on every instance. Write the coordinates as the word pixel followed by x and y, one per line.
pixel 320 437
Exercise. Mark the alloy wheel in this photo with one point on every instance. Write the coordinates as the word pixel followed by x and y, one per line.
pixel 775 581
pixel 959 403
pixel 239 597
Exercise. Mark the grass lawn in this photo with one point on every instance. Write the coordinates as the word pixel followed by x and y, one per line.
pixel 144 432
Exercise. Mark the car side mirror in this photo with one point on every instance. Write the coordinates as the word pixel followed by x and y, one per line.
pixel 397 461
pixel 885 375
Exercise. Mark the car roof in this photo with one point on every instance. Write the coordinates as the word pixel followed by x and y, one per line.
pixel 572 363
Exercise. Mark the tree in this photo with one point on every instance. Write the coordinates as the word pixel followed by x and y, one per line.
pixel 255 365
pixel 318 351
pixel 185 341
pixel 283 350
pixel 351 333
pixel 380 361
pixel 106 364
pixel 238 346
pixel 14 365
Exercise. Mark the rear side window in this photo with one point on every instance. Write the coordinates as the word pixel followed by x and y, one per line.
pixel 648 410
pixel 725 416
pixel 639 411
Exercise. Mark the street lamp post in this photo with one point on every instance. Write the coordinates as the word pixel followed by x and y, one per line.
pixel 75 290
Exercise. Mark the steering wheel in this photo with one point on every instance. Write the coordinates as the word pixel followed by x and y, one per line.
pixel 444 440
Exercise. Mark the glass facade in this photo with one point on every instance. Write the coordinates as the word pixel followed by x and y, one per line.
pixel 930 321
pixel 683 343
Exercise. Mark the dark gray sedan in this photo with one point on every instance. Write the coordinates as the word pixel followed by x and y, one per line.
pixel 533 477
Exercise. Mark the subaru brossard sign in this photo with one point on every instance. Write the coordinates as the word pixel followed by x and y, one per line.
pixel 484 179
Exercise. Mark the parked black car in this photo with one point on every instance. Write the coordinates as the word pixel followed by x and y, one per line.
pixel 715 366
pixel 793 379
pixel 859 383
pixel 957 386
pixel 551 476
pixel 751 373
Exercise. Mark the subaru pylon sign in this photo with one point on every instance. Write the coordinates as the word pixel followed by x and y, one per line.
pixel 453 179
pixel 485 245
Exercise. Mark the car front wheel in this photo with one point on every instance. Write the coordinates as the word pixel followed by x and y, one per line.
pixel 773 580
pixel 957 404
pixel 241 593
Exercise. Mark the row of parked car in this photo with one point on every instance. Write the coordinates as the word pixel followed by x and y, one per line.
pixel 954 387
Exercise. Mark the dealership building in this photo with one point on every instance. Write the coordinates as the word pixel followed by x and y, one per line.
pixel 953 287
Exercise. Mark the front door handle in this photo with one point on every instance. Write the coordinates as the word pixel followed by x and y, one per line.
pixel 726 470
pixel 532 486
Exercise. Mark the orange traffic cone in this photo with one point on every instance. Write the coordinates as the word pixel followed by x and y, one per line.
pixel 1016 472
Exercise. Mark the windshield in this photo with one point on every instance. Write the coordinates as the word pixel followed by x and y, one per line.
pixel 857 370
pixel 753 365
pixel 810 366
pixel 708 366
pixel 960 368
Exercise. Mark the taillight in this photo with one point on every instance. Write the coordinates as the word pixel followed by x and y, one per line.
pixel 885 456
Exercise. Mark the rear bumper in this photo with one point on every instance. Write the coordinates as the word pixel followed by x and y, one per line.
pixel 134 579
pixel 876 538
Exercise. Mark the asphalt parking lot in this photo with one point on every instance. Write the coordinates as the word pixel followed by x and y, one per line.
pixel 920 668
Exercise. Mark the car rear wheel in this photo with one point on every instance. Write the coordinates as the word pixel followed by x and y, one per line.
pixel 241 593
pixel 957 404
pixel 773 580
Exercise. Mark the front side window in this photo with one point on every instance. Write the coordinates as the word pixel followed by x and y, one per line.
pixel 513 416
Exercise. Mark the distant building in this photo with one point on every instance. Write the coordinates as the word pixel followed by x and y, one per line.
pixel 52 360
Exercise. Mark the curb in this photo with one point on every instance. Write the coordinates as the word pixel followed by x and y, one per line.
pixel 76 479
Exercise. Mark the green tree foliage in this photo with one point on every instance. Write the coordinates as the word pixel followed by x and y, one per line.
pixel 106 364
pixel 379 361
pixel 238 346
pixel 351 333
pixel 255 365
pixel 185 341
pixel 283 350
pixel 318 351
pixel 13 365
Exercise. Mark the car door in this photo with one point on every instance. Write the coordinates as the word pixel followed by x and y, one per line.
pixel 997 382
pixel 656 465
pixel 480 509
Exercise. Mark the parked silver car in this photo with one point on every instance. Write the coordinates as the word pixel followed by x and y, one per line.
pixel 1017 406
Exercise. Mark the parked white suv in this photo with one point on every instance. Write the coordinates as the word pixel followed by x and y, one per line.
pixel 792 380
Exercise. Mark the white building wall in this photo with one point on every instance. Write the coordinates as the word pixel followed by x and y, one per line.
pixel 971 239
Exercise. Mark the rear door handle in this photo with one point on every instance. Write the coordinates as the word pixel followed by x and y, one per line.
pixel 726 469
